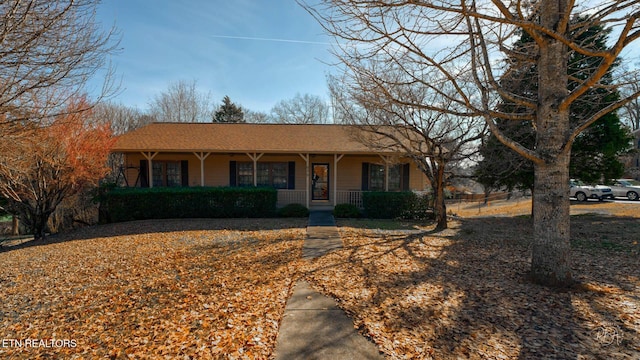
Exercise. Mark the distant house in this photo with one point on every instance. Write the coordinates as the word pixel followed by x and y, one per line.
pixel 314 165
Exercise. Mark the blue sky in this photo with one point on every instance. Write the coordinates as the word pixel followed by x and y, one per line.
pixel 257 52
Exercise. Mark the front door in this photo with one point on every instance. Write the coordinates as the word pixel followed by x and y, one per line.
pixel 320 182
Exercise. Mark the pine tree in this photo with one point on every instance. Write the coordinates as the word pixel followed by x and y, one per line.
pixel 228 112
pixel 594 153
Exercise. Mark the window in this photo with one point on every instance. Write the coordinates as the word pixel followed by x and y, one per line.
pixel 245 174
pixel 375 177
pixel 273 174
pixel 395 177
pixel 167 173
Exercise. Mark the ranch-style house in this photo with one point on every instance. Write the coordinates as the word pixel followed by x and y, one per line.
pixel 314 165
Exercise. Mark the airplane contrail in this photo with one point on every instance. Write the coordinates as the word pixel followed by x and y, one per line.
pixel 270 39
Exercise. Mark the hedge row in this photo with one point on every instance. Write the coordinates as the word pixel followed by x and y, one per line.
pixel 394 205
pixel 126 204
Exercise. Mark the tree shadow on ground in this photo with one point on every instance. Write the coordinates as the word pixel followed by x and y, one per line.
pixel 466 293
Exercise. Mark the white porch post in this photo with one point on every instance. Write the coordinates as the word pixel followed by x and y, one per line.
pixel 336 158
pixel 202 156
pixel 255 157
pixel 149 156
pixel 305 157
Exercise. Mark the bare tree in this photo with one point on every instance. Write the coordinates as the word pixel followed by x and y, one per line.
pixel 48 50
pixel 301 109
pixel 256 117
pixel 435 141
pixel 630 113
pixel 121 118
pixel 461 46
pixel 182 102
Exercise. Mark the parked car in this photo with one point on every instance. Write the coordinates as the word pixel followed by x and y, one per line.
pixel 624 187
pixel 582 192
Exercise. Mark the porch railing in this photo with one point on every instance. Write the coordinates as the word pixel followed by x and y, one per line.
pixel 286 197
pixel 353 197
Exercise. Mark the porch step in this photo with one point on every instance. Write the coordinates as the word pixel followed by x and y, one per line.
pixel 314 208
pixel 319 217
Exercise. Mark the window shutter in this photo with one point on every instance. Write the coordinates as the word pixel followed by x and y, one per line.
pixel 291 181
pixel 144 173
pixel 233 174
pixel 184 172
pixel 365 176
pixel 405 177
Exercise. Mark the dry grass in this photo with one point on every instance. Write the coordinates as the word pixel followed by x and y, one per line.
pixel 523 207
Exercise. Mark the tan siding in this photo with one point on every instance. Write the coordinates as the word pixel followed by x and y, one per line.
pixel 301 173
pixel 216 169
pixel 350 172
pixel 417 180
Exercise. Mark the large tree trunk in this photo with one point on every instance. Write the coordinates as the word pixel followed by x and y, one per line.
pixel 40 225
pixel 551 258
pixel 15 225
pixel 440 208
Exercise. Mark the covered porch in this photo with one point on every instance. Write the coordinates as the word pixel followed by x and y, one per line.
pixel 313 180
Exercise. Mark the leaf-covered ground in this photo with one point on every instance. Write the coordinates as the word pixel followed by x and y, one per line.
pixel 523 207
pixel 165 289
pixel 216 289
pixel 464 294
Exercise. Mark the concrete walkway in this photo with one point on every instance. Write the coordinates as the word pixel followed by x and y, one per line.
pixel 322 235
pixel 313 327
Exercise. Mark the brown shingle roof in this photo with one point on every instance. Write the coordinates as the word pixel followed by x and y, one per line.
pixel 224 137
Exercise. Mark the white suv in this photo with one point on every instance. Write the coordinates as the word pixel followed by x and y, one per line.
pixel 583 192
pixel 624 187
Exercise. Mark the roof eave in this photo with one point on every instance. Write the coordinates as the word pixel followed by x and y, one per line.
pixel 237 151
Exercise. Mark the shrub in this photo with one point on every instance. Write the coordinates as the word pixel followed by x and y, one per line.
pixel 293 210
pixel 394 205
pixel 346 211
pixel 420 209
pixel 387 205
pixel 125 204
pixel 74 211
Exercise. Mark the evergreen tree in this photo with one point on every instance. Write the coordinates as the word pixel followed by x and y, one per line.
pixel 228 112
pixel 594 153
